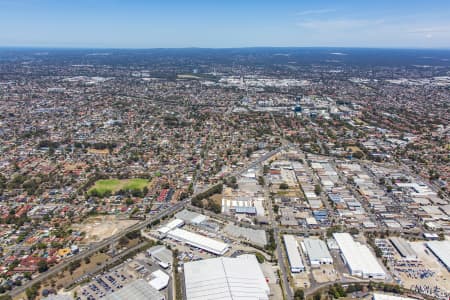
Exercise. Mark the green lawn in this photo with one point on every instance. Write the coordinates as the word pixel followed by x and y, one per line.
pixel 111 186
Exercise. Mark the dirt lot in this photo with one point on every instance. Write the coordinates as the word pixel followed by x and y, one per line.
pixel 98 151
pixel 301 280
pixel 441 278
pixel 325 273
pixel 101 227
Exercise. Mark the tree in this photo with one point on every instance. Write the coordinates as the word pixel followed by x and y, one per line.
pixel 317 189
pixel 33 291
pixel 299 294
pixel 145 190
pixel 42 266
pixel 358 154
pixel 41 245
pixel 74 265
pixel 260 257
pixel 284 186
pixel 214 206
pixel 317 296
pixel 123 241
pixel 353 231
pixel 275 208
pixel 261 180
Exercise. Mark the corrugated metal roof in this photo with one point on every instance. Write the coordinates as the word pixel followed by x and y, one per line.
pixel 317 250
pixel 199 241
pixel 225 278
pixel 403 247
pixel 442 250
pixel 358 257
pixel 136 290
pixel 295 260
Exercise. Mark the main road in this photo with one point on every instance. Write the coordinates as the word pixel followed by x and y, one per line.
pixel 276 235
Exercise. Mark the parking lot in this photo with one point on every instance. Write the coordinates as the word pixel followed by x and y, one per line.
pixel 104 284
pixel 140 266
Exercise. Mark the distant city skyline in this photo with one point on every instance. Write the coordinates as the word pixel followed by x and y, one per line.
pixel 224 24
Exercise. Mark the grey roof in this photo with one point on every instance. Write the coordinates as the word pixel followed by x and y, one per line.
pixel 161 253
pixel 255 236
pixel 317 250
pixel 189 216
pixel 136 290
pixel 403 247
pixel 58 297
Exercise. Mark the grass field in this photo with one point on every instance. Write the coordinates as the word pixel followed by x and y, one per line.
pixel 104 186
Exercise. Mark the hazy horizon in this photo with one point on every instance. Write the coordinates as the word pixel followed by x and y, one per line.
pixel 138 24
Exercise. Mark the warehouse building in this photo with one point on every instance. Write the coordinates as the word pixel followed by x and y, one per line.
pixel 176 223
pixel 160 280
pixel 198 241
pixel 161 255
pixel 254 236
pixel 136 290
pixel 358 258
pixel 403 248
pixel 295 260
pixel 441 249
pixel 225 278
pixel 317 252
pixel 190 217
pixel 378 296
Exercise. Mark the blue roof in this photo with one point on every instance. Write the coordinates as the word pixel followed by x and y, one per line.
pixel 335 198
pixel 320 213
pixel 246 209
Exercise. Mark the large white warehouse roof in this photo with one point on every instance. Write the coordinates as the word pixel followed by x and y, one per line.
pixel 199 241
pixel 359 259
pixel 377 296
pixel 225 278
pixel 295 260
pixel 441 249
pixel 171 225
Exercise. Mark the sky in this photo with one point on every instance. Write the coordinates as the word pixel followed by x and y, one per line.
pixel 225 23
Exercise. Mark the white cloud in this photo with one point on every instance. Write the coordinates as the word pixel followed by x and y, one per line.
pixel 337 24
pixel 435 29
pixel 315 12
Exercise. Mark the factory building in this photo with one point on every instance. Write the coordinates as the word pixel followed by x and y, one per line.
pixel 225 278
pixel 198 241
pixel 190 217
pixel 441 249
pixel 403 248
pixel 136 290
pixel 317 252
pixel 294 257
pixel 358 258
pixel 378 296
